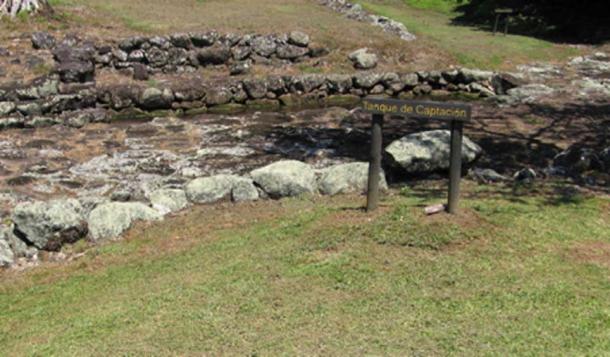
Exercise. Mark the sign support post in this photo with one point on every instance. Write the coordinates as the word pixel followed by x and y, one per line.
pixel 455 168
pixel 375 163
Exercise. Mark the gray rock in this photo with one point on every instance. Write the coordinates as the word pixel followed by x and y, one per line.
pixel 467 75
pixel 264 46
pixel 487 175
pixel 168 200
pixel 410 79
pixel 298 38
pixel 40 88
pixel 109 220
pixel 577 159
pixel 308 82
pixel 530 93
pixel 204 39
pixel 362 59
pixel 367 80
pixel 180 40
pixel 346 178
pixel 244 190
pixel 285 178
pixel 214 55
pixel 240 53
pixel 525 176
pixel 157 57
pixel 256 88
pixel 240 68
pixel 218 95
pixel 339 83
pixel 154 98
pixel 7 257
pixel 50 225
pixel 210 189
pixel 76 72
pixel 7 108
pixel 481 89
pixel 428 151
pixel 43 40
pixel 291 52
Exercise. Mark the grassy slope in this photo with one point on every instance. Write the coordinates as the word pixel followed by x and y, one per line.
pixel 301 276
pixel 431 21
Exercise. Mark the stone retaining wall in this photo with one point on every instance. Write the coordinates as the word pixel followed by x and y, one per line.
pixel 177 53
pixel 48 101
pixel 356 12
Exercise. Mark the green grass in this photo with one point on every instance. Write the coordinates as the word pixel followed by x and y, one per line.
pixel 320 277
pixel 444 6
pixel 469 46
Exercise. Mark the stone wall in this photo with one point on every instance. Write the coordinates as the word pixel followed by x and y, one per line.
pixel 356 12
pixel 176 53
pixel 48 101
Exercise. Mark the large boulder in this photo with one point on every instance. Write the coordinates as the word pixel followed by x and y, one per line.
pixel 109 220
pixel 50 225
pixel 362 59
pixel 428 151
pixel 215 188
pixel 345 178
pixel 168 200
pixel 285 178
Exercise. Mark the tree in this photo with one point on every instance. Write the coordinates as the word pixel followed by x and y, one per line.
pixel 13 7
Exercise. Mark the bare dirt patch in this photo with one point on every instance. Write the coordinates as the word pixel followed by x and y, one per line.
pixel 592 252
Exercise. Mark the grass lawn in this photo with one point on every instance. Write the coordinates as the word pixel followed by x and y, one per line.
pixel 511 275
pixel 430 20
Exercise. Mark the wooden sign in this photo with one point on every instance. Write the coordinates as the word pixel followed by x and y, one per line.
pixel 456 114
pixel 418 109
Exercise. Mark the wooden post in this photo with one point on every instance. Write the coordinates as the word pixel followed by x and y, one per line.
pixel 455 169
pixel 375 163
pixel 506 19
pixel 496 23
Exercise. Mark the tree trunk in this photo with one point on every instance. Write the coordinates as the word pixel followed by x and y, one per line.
pixel 13 7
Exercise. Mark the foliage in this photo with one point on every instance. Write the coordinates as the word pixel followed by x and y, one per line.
pixel 567 19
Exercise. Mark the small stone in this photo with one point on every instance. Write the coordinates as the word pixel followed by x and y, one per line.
pixel 298 38
pixel 7 108
pixel 362 59
pixel 43 40
pixel 525 176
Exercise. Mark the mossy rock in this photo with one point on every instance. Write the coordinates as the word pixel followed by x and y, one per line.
pixel 263 104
